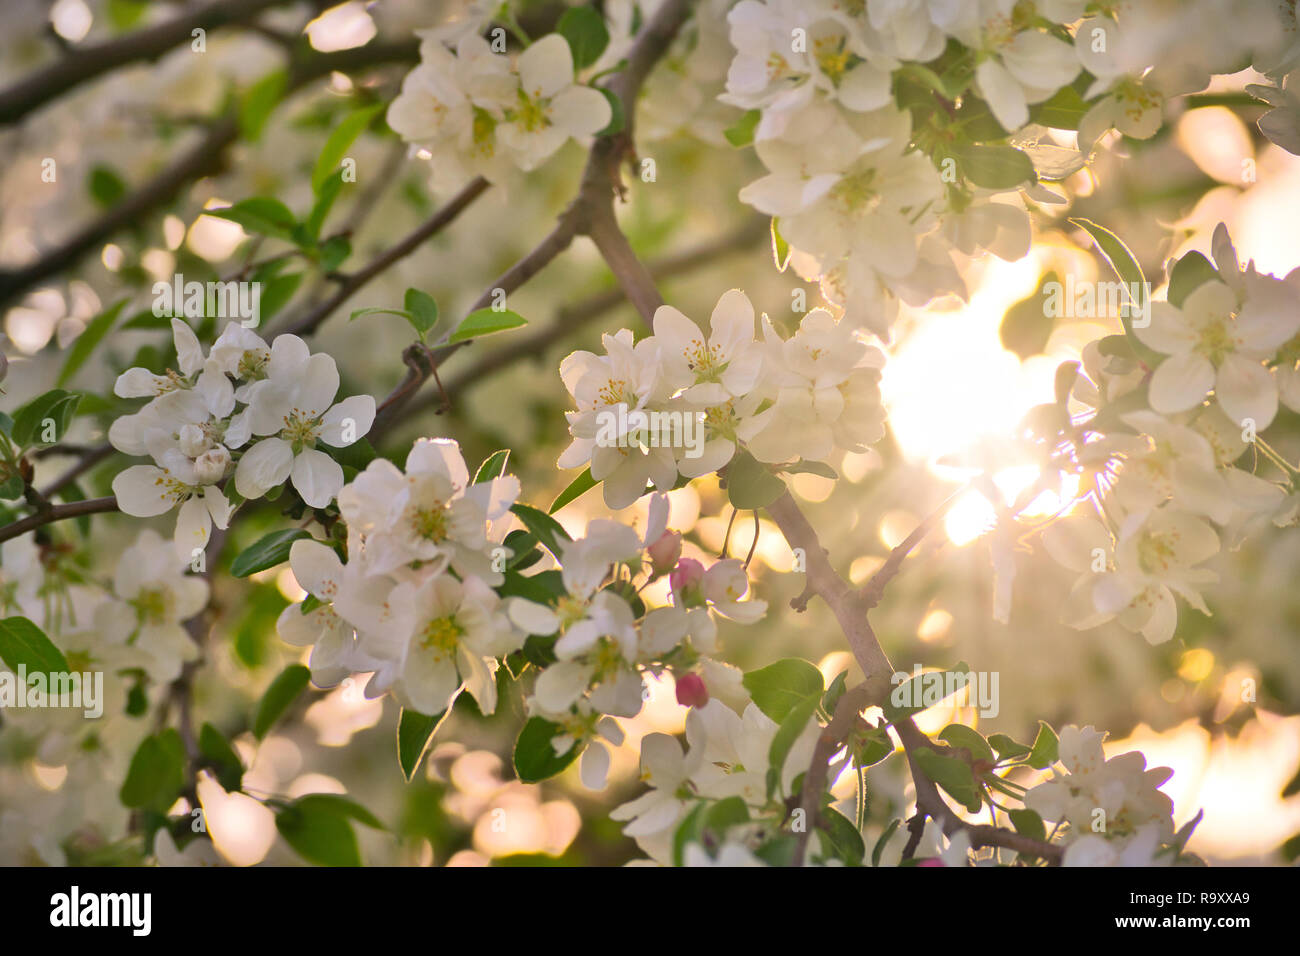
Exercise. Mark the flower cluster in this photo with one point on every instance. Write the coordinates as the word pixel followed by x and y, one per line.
pixel 727 756
pixel 889 130
pixel 1161 420
pixel 479 111
pixel 413 603
pixel 278 400
pixel 428 602
pixel 783 399
pixel 1111 811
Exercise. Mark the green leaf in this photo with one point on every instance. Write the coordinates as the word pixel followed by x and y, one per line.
pixel 267 552
pixel 1185 832
pixel 276 293
pixel 994 167
pixel 343 136
pixel 778 688
pixel 31 422
pixel 741 133
pixel 485 322
pixel 85 343
pixel 791 727
pixel 320 210
pixel 423 311
pixel 494 466
pixel 145 319
pixel 585 30
pixel 156 773
pixel 291 682
pixel 1125 265
pixel 414 732
pixel 959 735
pixel 751 484
pixel 1028 823
pixel 873 746
pixel 359 313
pixel 334 251
pixel 844 837
pixel 725 814
pixel 258 102
pixel 534 757
pixel 547 530
pixel 689 831
pixel 879 848
pixel 780 248
pixel 124 14
pixel 23 644
pixel 616 118
pixel 319 832
pixel 357 455
pixel 1026 326
pixel 214 746
pixel 910 697
pixel 834 692
pixel 1006 747
pixel 544 588
pixel 576 489
pixel 1188 274
pixel 262 215
pixel 1046 748
pixel 105 185
pixel 952 774
pixel 1063 110
pixel 341 805
pixel 803 467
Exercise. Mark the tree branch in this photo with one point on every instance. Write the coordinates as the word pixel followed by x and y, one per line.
pixel 207 157
pixel 84 63
pixel 874 589
pixel 358 280
pixel 72 509
pixel 573 317
pixel 87 460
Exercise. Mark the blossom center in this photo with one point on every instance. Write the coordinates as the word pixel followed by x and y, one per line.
pixel 1156 552
pixel 300 430
pixel 832 57
pixel 442 635
pixel 151 605
pixel 704 360
pixel 1216 341
pixel 614 392
pixel 531 114
pixel 430 523
pixel 856 192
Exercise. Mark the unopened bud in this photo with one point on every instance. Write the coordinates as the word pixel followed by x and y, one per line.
pixel 685 582
pixel 210 467
pixel 193 441
pixel 691 691
pixel 665 552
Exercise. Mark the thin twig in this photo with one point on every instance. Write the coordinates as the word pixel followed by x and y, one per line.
pixel 72 509
pixel 381 263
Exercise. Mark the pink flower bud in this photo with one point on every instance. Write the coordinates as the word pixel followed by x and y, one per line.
pixel 665 551
pixel 688 574
pixel 931 861
pixel 691 691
